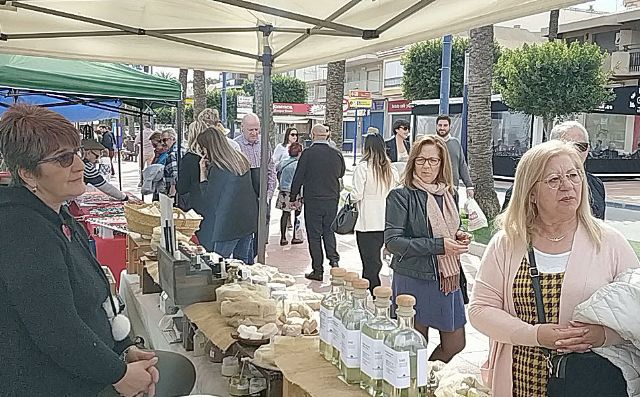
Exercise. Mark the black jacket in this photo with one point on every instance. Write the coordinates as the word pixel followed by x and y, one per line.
pixel 319 170
pixel 392 148
pixel 230 207
pixel 408 236
pixel 55 336
pixel 188 186
pixel 597 197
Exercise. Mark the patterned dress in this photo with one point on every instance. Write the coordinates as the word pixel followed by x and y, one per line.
pixel 530 372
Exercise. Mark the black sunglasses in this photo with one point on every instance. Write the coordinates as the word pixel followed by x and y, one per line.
pixel 65 159
pixel 581 146
pixel 293 134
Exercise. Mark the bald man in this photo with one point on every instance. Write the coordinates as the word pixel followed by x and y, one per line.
pixel 319 170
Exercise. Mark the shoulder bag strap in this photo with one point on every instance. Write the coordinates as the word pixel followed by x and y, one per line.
pixel 537 291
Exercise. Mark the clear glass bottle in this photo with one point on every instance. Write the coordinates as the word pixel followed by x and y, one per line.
pixel 338 314
pixel 372 342
pixel 405 355
pixel 351 322
pixel 327 306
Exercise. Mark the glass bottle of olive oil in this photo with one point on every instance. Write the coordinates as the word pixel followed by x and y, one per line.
pixel 338 314
pixel 351 322
pixel 327 307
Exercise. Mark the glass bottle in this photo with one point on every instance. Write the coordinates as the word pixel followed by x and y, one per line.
pixel 351 322
pixel 405 369
pixel 372 342
pixel 338 314
pixel 327 307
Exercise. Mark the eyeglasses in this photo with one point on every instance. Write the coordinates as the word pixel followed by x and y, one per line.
pixel 166 139
pixel 293 134
pixel 581 146
pixel 433 161
pixel 404 128
pixel 554 181
pixel 65 159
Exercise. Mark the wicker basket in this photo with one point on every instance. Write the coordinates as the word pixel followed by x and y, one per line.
pixel 143 223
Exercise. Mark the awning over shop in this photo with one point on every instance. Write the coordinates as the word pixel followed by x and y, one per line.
pixel 290 119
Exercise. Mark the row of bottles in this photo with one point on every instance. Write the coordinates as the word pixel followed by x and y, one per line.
pixel 386 358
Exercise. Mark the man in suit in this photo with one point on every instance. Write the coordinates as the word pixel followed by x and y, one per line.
pixel 398 145
pixel 572 131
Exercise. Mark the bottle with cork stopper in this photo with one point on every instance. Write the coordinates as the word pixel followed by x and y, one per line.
pixel 405 355
pixel 327 307
pixel 351 322
pixel 338 314
pixel 372 342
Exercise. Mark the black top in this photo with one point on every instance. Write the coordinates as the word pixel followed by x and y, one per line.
pixel 597 197
pixel 392 148
pixel 108 140
pixel 188 185
pixel 56 338
pixel 319 170
pixel 230 207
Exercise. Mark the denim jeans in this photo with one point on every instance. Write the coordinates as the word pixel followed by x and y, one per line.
pixel 241 248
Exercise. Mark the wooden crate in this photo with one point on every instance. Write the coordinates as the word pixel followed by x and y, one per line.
pixel 147 283
pixel 136 248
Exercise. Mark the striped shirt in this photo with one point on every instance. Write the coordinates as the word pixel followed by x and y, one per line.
pixel 254 154
pixel 92 175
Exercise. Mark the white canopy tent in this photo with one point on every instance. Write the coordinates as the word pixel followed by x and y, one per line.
pixel 239 35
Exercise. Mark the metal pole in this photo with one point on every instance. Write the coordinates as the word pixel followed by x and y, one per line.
pixel 119 146
pixel 465 104
pixel 263 227
pixel 355 138
pixel 223 113
pixel 141 114
pixel 445 74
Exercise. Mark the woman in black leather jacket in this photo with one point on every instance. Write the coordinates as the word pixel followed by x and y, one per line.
pixel 422 231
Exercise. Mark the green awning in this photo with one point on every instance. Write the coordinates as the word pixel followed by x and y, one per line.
pixel 85 79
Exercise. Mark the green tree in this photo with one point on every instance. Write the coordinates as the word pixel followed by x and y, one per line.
pixel 214 101
pixel 422 64
pixel 552 79
pixel 286 89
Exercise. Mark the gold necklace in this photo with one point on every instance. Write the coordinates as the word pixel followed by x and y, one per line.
pixel 556 239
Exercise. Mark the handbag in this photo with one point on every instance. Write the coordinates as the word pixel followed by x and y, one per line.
pixel 346 219
pixel 576 374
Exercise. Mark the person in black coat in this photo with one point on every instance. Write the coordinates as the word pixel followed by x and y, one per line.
pixel 572 131
pixel 60 335
pixel 229 204
pixel 398 145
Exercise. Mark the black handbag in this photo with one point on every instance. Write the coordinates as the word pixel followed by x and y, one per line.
pixel 346 219
pixel 576 374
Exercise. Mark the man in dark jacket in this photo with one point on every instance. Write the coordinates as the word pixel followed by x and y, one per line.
pixel 319 170
pixel 572 131
pixel 109 142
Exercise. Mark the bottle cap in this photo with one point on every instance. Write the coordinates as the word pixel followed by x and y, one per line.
pixel 338 272
pixel 382 292
pixel 351 276
pixel 406 300
pixel 360 283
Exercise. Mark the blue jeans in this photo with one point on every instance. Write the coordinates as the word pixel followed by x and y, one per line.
pixel 241 248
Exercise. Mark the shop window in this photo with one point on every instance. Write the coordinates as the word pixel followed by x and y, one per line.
pixel 606 131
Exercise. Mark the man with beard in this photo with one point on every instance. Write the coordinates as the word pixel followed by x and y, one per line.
pixel 459 167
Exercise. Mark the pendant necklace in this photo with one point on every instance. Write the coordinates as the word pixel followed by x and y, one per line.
pixel 556 239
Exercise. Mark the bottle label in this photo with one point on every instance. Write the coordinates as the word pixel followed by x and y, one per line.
pixel 351 348
pixel 422 367
pixel 397 370
pixel 326 325
pixel 371 356
pixel 336 340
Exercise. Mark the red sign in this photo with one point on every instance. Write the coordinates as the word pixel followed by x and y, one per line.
pixel 360 94
pixel 291 108
pixel 399 106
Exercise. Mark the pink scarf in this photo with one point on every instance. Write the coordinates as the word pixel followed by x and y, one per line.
pixel 444 223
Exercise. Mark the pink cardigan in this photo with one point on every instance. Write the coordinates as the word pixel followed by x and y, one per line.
pixel 492 311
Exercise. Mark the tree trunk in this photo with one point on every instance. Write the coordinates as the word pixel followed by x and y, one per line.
pixel 547 122
pixel 199 93
pixel 182 78
pixel 479 119
pixel 335 93
pixel 268 118
pixel 553 24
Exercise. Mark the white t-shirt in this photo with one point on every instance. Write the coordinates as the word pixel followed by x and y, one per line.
pixel 551 263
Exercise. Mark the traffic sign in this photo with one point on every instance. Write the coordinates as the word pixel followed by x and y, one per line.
pixel 345 105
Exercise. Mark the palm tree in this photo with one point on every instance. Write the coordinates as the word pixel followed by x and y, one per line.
pixel 257 99
pixel 199 92
pixel 335 93
pixel 165 75
pixel 182 78
pixel 479 119
pixel 554 17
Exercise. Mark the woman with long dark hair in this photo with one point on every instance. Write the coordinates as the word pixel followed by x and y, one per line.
pixel 286 171
pixel 373 178
pixel 230 205
pixel 281 152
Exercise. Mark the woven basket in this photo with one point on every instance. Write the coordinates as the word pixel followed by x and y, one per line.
pixel 143 223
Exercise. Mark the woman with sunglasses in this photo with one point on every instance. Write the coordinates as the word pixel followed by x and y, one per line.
pixel 59 334
pixel 91 152
pixel 281 152
pixel 398 145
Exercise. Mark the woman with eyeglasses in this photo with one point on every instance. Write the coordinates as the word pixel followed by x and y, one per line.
pixel 423 233
pixel 281 152
pixel 59 334
pixel 549 243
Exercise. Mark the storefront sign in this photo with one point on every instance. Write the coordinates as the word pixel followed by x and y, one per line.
pixel 244 104
pixel 626 101
pixel 359 94
pixel 291 108
pixel 317 110
pixel 378 106
pixel 360 103
pixel 399 106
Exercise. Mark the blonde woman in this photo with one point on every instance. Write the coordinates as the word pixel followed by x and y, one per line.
pixel 548 225
pixel 230 205
pixel 423 233
pixel 373 178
